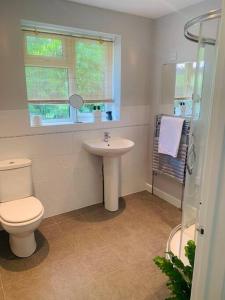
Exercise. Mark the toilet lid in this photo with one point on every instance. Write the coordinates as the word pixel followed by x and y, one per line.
pixel 21 210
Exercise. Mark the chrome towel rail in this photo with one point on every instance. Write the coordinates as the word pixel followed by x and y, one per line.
pixel 173 167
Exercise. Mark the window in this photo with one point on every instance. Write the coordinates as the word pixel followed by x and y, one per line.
pixel 185 86
pixel 57 66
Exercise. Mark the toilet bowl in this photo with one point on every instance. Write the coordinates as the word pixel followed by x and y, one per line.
pixel 20 212
pixel 20 218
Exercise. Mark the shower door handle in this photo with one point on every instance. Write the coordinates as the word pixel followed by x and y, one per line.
pixel 189 169
pixel 191 158
pixel 200 229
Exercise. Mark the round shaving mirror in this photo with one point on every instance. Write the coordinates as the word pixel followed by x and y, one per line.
pixel 76 101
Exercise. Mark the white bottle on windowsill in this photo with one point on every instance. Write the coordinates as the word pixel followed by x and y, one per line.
pixel 183 110
pixel 36 120
pixel 97 114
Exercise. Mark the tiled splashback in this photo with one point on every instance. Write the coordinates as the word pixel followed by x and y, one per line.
pixel 65 176
pixel 16 122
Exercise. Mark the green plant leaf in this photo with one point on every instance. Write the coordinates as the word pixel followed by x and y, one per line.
pixel 190 252
pixel 180 276
pixel 188 272
pixel 176 261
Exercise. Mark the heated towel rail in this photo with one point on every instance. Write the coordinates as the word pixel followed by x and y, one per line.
pixel 174 167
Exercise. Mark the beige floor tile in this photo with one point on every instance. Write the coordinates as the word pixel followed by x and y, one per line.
pixel 72 216
pixel 102 261
pixel 50 231
pixel 94 254
pixel 2 296
pixel 47 222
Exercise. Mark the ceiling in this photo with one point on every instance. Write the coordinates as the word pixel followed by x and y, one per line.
pixel 146 8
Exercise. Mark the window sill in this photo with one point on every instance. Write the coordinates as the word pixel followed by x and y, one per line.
pixel 71 126
pixel 52 124
pixel 49 124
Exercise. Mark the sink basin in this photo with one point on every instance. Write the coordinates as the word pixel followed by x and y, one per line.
pixel 115 147
pixel 111 152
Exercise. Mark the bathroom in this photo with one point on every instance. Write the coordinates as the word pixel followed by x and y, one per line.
pixel 86 249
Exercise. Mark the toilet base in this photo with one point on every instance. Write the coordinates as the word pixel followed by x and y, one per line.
pixel 23 245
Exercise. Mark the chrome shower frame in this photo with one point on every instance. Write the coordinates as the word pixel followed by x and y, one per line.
pixel 211 15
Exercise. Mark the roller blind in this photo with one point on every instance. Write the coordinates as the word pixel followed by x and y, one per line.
pixel 168 83
pixel 58 66
pixel 185 75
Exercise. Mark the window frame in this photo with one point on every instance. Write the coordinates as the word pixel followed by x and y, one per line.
pixel 64 33
pixel 53 62
pixel 69 120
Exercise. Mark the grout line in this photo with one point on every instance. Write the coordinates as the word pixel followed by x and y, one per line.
pixel 72 131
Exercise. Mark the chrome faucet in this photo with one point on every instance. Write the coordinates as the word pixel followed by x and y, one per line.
pixel 106 137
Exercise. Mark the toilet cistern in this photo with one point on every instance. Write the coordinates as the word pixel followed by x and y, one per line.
pixel 111 153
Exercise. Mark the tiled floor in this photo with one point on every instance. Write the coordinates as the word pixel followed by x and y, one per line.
pixel 94 254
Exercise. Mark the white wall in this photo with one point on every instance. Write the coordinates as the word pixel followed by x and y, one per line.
pixel 169 40
pixel 136 44
pixel 65 176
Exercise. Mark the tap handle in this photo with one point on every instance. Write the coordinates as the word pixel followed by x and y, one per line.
pixel 106 134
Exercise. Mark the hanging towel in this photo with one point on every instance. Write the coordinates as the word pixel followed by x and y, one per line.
pixel 170 135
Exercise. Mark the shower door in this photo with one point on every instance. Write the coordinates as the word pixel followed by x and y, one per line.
pixel 200 122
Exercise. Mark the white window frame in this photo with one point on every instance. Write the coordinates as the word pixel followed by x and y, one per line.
pixel 67 61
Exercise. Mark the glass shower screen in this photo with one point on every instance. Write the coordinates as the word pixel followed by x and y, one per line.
pixel 202 107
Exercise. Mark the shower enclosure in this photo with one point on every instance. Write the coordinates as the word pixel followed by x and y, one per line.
pixel 204 31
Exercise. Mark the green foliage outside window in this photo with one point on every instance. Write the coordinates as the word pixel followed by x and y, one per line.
pixel 59 111
pixel 90 68
pixel 50 111
pixel 51 83
pixel 89 107
pixel 44 83
pixel 43 46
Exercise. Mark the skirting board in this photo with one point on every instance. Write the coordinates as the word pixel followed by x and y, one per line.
pixel 163 195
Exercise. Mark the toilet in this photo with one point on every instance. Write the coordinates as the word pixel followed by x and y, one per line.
pixel 20 212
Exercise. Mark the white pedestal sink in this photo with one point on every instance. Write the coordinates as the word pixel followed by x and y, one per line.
pixel 111 152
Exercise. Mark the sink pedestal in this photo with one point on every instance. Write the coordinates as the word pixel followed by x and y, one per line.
pixel 111 152
pixel 111 182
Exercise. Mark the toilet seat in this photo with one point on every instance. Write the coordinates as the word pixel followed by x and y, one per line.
pixel 21 210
